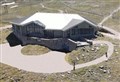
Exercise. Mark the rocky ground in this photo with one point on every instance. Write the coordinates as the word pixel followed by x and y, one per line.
pixel 86 53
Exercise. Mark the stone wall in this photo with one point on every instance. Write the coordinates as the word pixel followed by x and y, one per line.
pixel 54 44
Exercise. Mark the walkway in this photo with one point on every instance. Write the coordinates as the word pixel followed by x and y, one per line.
pixel 111 14
pixel 59 10
pixel 101 59
pixel 116 34
pixel 47 63
pixel 5 27
pixel 51 62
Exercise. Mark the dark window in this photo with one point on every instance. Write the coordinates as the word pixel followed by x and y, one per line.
pixel 90 26
pixel 73 31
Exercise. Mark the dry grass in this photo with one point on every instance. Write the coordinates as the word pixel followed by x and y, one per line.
pixel 93 10
pixel 86 54
pixel 34 50
pixel 114 21
pixel 3 35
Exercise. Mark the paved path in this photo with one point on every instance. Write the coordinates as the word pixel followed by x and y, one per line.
pixel 116 34
pixel 112 36
pixel 109 16
pixel 47 63
pixel 43 6
pixel 51 62
pixel 101 59
pixel 5 27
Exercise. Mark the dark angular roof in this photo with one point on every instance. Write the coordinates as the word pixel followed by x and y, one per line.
pixel 72 23
pixel 39 23
pixel 19 20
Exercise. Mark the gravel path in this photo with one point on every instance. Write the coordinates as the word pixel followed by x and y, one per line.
pixel 51 62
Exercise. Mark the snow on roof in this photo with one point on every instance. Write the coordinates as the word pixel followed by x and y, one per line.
pixel 53 20
pixel 72 23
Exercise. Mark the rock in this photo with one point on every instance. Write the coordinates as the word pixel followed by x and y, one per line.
pixel 89 70
pixel 19 69
pixel 101 67
pixel 116 61
pixel 83 49
pixel 77 58
pixel 63 75
pixel 101 44
pixel 92 49
pixel 83 55
pixel 117 52
pixel 87 51
pixel 105 71
pixel 109 76
pixel 97 48
pixel 69 72
pixel 94 73
pixel 108 71
pixel 96 51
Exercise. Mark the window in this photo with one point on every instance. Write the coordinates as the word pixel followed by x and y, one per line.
pixel 73 31
pixel 18 27
pixel 90 26
pixel 30 29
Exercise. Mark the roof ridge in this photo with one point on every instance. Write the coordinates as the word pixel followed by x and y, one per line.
pixel 72 23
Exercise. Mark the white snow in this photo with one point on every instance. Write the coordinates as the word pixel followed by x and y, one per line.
pixel 53 20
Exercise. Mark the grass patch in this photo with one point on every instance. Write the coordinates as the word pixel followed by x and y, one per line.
pixel 34 50
pixel 86 54
pixel 114 41
pixel 3 24
pixel 4 34
pixel 114 21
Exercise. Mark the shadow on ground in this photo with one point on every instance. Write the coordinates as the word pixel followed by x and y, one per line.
pixel 13 40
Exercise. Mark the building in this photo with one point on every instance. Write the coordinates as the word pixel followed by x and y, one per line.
pixel 56 31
